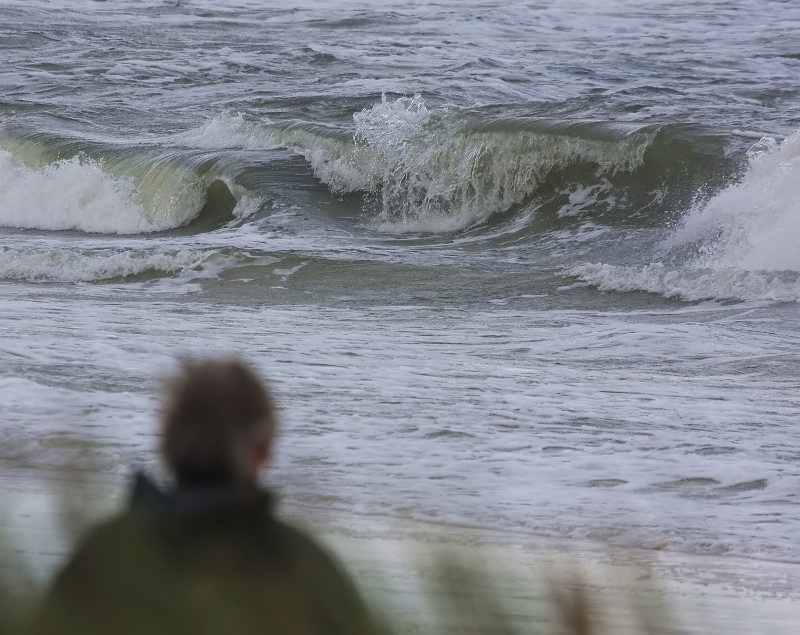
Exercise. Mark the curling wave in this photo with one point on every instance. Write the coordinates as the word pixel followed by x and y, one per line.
pixel 128 194
pixel 741 244
pixel 431 171
pixel 415 169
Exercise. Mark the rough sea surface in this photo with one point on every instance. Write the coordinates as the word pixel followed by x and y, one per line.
pixel 524 266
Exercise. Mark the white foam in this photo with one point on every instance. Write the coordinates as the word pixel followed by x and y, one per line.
pixel 582 196
pixel 78 194
pixel 247 203
pixel 68 265
pixel 286 273
pixel 753 224
pixel 231 130
pixel 692 284
pixel 431 174
pixel 744 240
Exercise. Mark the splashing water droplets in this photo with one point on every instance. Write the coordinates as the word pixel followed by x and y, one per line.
pixel 389 126
pixel 753 224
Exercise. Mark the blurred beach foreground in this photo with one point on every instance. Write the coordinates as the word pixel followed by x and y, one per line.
pixel 434 578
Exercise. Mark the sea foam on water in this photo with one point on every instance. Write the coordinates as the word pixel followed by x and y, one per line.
pixel 82 194
pixel 753 224
pixel 741 244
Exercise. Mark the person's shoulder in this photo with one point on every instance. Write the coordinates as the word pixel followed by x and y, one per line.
pixel 300 543
pixel 97 573
pixel 125 528
pixel 336 597
pixel 103 531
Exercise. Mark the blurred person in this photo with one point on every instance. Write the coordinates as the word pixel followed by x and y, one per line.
pixel 207 556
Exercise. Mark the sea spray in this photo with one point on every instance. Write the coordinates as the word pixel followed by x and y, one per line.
pixel 69 265
pixel 84 194
pixel 440 170
pixel 753 224
pixel 229 129
pixel 741 244
pixel 437 171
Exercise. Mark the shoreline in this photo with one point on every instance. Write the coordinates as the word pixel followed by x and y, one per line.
pixel 398 564
pixel 405 568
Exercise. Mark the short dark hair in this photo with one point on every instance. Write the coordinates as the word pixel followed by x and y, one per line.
pixel 215 411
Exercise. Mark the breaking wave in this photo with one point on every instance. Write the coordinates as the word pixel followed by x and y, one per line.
pixel 692 284
pixel 79 194
pixel 67 265
pixel 130 195
pixel 429 171
pixel 415 169
pixel 741 244
pixel 753 224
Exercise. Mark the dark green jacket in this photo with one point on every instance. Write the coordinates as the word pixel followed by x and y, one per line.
pixel 201 560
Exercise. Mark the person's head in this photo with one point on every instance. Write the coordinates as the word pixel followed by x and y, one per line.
pixel 218 422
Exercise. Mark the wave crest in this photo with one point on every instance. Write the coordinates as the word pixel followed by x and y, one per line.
pixel 739 245
pixel 692 284
pixel 66 265
pixel 81 194
pixel 753 224
pixel 429 171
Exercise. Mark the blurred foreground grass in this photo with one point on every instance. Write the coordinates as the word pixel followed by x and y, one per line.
pixel 456 589
pixel 456 595
pixel 459 605
pixel 469 590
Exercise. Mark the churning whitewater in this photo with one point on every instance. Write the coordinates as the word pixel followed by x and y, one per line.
pixel 528 268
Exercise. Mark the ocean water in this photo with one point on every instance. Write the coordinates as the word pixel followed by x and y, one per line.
pixel 525 266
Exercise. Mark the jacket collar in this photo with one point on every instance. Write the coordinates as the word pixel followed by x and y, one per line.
pixel 148 497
